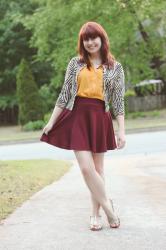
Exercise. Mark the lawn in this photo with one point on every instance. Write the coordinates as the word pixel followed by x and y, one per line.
pixel 20 179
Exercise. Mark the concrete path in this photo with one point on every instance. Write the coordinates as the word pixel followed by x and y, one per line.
pixel 57 217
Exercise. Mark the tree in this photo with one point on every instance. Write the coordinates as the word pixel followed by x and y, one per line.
pixel 136 30
pixel 14 45
pixel 30 103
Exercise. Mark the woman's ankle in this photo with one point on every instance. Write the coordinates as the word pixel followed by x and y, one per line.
pixel 95 213
pixel 108 208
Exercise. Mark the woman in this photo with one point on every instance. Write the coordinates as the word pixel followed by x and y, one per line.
pixel 81 120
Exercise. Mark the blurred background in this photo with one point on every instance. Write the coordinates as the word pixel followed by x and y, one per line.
pixel 38 38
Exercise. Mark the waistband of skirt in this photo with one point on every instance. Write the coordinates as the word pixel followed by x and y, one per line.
pixel 88 100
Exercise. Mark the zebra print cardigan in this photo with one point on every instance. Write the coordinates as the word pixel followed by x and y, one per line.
pixel 114 86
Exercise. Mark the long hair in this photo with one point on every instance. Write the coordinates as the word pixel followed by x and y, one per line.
pixel 92 30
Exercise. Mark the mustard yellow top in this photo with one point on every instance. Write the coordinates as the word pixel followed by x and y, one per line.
pixel 90 83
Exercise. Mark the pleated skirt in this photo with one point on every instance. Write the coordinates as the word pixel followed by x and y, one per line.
pixel 86 127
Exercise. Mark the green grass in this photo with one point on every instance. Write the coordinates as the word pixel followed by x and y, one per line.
pixel 19 179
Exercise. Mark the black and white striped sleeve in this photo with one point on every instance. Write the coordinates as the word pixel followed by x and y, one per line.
pixel 118 92
pixel 65 92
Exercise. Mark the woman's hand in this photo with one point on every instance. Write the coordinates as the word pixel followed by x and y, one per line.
pixel 121 139
pixel 47 128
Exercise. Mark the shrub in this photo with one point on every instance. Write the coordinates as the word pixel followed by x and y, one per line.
pixel 47 117
pixel 29 100
pixel 33 125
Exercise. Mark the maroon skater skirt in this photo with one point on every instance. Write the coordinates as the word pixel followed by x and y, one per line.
pixel 86 127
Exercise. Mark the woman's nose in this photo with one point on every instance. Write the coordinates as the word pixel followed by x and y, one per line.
pixel 90 41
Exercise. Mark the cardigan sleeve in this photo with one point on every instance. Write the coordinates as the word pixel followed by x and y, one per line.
pixel 65 92
pixel 118 92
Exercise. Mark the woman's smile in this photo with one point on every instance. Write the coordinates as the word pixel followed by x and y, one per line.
pixel 92 44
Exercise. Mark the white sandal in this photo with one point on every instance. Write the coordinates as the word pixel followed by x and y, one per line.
pixel 111 221
pixel 95 223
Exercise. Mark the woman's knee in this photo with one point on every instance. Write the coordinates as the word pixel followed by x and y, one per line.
pixel 100 171
pixel 85 162
pixel 99 162
pixel 86 171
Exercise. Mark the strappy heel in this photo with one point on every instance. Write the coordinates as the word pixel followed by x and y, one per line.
pixel 111 220
pixel 95 223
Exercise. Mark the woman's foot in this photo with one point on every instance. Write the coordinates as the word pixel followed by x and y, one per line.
pixel 95 222
pixel 113 220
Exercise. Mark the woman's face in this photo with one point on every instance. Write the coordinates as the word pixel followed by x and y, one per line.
pixel 92 45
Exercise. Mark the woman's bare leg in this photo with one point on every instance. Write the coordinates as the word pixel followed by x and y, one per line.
pixel 94 181
pixel 98 159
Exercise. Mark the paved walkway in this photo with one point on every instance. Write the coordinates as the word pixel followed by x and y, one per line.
pixel 57 217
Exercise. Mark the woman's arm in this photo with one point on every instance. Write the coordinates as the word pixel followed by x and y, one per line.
pixel 118 105
pixel 64 95
pixel 121 123
pixel 121 131
pixel 118 92
pixel 56 112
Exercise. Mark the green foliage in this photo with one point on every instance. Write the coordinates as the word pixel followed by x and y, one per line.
pixel 148 89
pixel 33 125
pixel 47 97
pixel 47 117
pixel 30 103
pixel 37 125
pixel 46 33
pixel 8 101
pixel 14 45
pixel 136 30
pixel 130 92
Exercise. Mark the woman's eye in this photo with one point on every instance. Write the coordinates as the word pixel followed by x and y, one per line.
pixel 87 39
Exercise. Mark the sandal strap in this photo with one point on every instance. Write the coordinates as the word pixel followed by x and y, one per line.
pixel 95 221
pixel 111 220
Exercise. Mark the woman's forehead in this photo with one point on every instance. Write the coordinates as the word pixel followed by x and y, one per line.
pixel 90 33
pixel 89 36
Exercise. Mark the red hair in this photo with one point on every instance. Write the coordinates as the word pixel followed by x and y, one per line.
pixel 93 30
